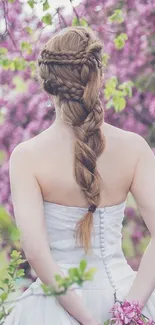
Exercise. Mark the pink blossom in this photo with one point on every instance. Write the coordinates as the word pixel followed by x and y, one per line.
pixel 126 312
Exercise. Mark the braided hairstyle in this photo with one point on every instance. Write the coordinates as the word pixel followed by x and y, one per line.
pixel 70 67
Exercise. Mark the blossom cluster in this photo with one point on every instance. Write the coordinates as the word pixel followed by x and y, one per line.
pixel 124 313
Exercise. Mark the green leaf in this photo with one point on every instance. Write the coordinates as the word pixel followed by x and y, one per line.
pixel 144 242
pixel 3 296
pixel 20 273
pixel 12 66
pixel 1 288
pixel 79 22
pixel 83 265
pixel 110 87
pixel 75 272
pixel 32 65
pixel 90 273
pixel 9 310
pixel 2 315
pixel 15 233
pixel 15 254
pixel 71 273
pixel 6 281
pixel 31 3
pixel 119 103
pixel 20 63
pixel 127 88
pixel 120 41
pixel 25 46
pixel 3 50
pixel 45 288
pixel 47 19
pixel 116 17
pixel 75 21
pixel 109 104
pixel 2 153
pixel 29 30
pixel 105 59
pixel 21 86
pixel 106 322
pixel 58 277
pixel 83 22
pixel 21 261
pixel 11 1
pixel 112 82
pixel 46 5
pixel 5 63
pixel 127 246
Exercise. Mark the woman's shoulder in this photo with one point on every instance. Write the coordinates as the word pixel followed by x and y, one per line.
pixel 133 139
pixel 31 145
pixel 127 145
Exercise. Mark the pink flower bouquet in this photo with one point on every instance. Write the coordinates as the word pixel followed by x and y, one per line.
pixel 124 313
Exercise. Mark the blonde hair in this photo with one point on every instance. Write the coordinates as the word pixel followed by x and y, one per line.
pixel 70 67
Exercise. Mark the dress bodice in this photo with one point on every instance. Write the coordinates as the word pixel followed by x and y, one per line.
pixel 106 239
pixel 106 236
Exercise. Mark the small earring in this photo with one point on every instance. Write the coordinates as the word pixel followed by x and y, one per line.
pixel 48 103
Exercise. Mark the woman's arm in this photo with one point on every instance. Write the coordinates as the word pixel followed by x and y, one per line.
pixel 143 190
pixel 29 214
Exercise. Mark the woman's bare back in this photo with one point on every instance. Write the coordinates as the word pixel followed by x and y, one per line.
pixel 53 158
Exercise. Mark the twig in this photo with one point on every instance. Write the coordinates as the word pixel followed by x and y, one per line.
pixel 6 25
pixel 7 31
pixel 60 16
pixel 75 11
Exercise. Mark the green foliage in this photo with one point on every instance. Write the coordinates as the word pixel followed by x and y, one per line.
pixel 146 82
pixel 106 322
pixel 3 51
pixel 7 285
pixel 77 275
pixel 143 243
pixel 18 63
pixel 8 228
pixel 83 265
pixel 15 64
pixel 126 87
pixel 31 3
pixel 29 30
pixel 19 83
pixel 119 41
pixel 79 22
pixel 2 152
pixel 116 17
pixel 115 94
pixel 47 19
pixel 127 245
pixel 105 59
pixel 11 1
pixel 32 65
pixel 25 46
pixel 46 5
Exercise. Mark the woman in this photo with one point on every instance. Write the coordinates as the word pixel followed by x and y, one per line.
pixel 69 186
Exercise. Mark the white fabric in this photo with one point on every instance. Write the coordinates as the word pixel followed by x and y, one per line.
pixel 113 273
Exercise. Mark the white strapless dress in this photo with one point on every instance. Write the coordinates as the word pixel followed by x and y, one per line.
pixel 113 273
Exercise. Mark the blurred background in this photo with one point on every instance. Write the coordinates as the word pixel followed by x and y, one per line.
pixel 127 30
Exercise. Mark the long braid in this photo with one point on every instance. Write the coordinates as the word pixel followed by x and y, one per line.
pixel 74 77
